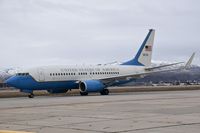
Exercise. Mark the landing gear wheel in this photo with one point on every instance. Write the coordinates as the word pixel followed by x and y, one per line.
pixel 105 92
pixel 84 93
pixel 31 95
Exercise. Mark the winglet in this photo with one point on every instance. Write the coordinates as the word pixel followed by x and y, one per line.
pixel 188 64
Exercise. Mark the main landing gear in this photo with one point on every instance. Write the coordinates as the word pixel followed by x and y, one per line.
pixel 31 95
pixel 83 93
pixel 104 92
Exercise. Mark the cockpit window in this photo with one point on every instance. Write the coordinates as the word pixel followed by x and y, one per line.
pixel 22 74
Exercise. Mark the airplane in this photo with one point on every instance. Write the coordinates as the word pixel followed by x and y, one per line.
pixel 89 78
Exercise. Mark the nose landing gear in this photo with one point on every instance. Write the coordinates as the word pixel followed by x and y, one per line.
pixel 31 95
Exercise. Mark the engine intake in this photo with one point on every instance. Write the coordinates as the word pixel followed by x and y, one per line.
pixel 91 86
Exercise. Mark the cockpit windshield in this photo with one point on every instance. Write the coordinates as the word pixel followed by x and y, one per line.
pixel 22 74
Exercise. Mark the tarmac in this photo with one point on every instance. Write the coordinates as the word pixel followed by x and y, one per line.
pixel 126 112
pixel 12 92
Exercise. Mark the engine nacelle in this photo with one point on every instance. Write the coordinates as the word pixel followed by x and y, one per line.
pixel 91 86
pixel 55 91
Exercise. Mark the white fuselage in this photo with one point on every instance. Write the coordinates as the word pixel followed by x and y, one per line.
pixel 80 73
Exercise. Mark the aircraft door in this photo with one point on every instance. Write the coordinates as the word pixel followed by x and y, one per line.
pixel 41 75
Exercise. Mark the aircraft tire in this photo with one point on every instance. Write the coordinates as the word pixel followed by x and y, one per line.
pixel 105 92
pixel 84 93
pixel 31 95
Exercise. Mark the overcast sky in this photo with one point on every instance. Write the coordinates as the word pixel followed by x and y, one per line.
pixel 45 32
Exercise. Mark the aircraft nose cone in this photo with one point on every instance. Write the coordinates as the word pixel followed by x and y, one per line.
pixel 13 81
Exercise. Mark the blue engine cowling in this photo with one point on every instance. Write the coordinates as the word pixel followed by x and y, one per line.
pixel 91 86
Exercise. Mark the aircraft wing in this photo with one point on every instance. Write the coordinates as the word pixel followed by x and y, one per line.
pixel 187 65
pixel 110 81
pixel 162 66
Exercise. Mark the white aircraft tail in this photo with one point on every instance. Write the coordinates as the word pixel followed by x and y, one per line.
pixel 144 55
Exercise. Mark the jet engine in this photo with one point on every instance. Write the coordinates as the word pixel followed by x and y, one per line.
pixel 91 86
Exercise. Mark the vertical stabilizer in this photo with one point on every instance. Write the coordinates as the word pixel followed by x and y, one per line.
pixel 144 55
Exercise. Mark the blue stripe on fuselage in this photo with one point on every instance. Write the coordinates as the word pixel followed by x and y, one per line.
pixel 28 83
